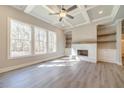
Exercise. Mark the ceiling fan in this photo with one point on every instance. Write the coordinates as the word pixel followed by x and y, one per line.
pixel 64 12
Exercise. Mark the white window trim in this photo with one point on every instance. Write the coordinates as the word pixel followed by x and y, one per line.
pixel 9 40
pixel 32 40
pixel 48 43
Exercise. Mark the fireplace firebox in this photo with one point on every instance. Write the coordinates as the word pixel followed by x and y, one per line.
pixel 82 52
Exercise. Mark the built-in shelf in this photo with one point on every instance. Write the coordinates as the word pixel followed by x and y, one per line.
pixel 106 41
pixel 68 40
pixel 107 34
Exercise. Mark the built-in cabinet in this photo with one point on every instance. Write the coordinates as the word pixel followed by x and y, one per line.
pixel 106 43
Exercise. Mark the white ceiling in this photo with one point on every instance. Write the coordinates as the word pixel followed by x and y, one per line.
pixel 94 12
pixel 83 14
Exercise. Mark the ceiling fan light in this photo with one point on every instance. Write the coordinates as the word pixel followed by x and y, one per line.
pixel 62 14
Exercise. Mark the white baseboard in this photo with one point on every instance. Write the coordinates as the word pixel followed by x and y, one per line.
pixel 110 61
pixel 27 64
pixel 107 61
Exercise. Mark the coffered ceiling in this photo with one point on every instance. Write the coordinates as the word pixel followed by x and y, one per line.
pixel 83 14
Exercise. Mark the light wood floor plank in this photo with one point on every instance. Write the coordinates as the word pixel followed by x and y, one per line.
pixel 65 73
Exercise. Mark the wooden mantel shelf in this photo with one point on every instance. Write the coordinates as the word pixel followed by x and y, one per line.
pixel 84 42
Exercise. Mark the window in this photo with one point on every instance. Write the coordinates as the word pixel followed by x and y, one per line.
pixel 26 40
pixel 20 39
pixel 40 41
pixel 51 41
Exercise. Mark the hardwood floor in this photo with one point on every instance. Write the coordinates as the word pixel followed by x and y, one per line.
pixel 65 73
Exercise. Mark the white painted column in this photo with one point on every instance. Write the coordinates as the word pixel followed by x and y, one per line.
pixel 118 43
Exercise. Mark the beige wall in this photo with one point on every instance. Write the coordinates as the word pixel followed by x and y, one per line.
pixel 84 33
pixel 7 11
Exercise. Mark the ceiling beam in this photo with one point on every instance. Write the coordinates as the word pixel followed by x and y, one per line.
pixel 47 8
pixel 68 23
pixel 88 8
pixel 29 8
pixel 51 11
pixel 84 13
pixel 77 25
pixel 115 11
pixel 102 20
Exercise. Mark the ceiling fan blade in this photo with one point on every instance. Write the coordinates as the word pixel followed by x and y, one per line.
pixel 60 19
pixel 71 8
pixel 53 13
pixel 70 16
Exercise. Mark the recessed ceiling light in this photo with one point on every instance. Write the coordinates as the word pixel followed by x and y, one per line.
pixel 100 12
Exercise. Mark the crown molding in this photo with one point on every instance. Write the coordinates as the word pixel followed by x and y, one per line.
pixel 115 11
pixel 29 8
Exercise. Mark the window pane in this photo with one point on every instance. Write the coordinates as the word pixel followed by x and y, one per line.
pixel 51 41
pixel 20 39
pixel 40 41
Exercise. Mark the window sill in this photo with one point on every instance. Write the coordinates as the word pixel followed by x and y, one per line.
pixel 51 52
pixel 21 57
pixel 43 54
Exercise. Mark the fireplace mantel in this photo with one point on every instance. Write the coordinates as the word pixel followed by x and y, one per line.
pixel 85 42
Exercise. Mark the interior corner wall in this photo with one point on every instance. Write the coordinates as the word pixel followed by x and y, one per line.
pixel 7 11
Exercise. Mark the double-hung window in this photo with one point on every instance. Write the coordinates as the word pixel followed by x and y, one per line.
pixel 40 41
pixel 51 41
pixel 26 40
pixel 20 39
